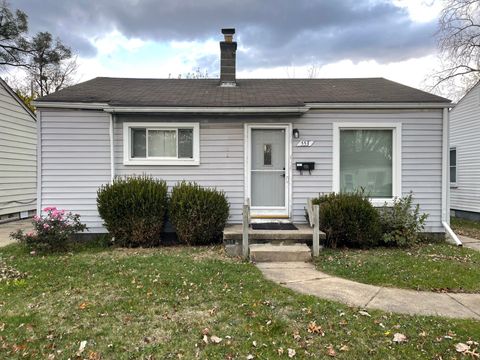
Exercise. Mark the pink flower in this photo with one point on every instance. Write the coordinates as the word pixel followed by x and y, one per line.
pixel 30 233
pixel 48 209
pixel 36 218
pixel 46 226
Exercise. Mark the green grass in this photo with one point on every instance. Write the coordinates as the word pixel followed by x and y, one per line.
pixel 466 227
pixel 155 303
pixel 429 267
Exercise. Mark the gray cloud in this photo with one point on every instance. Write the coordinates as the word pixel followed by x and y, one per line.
pixel 276 32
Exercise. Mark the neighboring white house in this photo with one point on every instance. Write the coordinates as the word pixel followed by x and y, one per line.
pixel 18 159
pixel 253 138
pixel 465 156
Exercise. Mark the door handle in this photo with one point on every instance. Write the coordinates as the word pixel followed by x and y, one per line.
pixel 283 175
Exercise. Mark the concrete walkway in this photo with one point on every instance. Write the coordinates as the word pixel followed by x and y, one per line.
pixel 304 278
pixel 9 227
pixel 469 242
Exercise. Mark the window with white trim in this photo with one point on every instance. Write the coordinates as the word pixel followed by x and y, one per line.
pixel 453 166
pixel 368 158
pixel 161 143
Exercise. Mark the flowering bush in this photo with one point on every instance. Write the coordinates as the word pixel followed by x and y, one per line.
pixel 52 231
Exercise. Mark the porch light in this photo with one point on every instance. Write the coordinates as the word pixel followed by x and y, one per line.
pixel 296 133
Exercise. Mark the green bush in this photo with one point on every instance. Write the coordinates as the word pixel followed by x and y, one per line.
pixel 402 223
pixel 348 219
pixel 133 209
pixel 198 214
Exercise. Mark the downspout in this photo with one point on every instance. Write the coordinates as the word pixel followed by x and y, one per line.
pixel 39 162
pixel 112 159
pixel 446 179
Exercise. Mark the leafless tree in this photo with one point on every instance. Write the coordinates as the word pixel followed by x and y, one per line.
pixel 459 45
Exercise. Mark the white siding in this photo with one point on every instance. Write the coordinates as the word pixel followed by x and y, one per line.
pixel 221 159
pixel 421 156
pixel 17 156
pixel 75 161
pixel 465 136
pixel 81 169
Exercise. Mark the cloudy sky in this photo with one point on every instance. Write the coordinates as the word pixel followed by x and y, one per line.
pixel 276 38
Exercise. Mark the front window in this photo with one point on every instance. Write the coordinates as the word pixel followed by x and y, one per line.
pixel 367 160
pixel 161 143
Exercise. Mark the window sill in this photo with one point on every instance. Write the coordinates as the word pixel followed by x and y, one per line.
pixel 382 202
pixel 156 162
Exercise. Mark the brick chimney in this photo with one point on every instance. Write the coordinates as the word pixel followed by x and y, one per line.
pixel 228 49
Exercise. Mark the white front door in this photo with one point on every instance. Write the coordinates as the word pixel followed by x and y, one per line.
pixel 268 172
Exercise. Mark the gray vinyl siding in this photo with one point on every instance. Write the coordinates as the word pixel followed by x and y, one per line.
pixel 465 137
pixel 221 159
pixel 75 161
pixel 18 171
pixel 421 156
pixel 80 170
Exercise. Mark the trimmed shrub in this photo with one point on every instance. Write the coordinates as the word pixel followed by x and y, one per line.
pixel 198 214
pixel 52 231
pixel 133 210
pixel 349 219
pixel 402 223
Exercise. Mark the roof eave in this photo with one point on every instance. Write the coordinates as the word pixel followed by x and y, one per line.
pixel 175 109
pixel 382 105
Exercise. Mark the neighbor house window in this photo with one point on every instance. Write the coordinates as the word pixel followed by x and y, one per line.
pixel 367 160
pixel 453 166
pixel 161 143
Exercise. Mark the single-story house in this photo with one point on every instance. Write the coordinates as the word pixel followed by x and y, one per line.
pixel 18 158
pixel 465 156
pixel 276 142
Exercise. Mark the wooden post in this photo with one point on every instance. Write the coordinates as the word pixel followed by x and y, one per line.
pixel 316 230
pixel 246 221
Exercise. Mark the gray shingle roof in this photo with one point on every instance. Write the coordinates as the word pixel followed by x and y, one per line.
pixel 247 93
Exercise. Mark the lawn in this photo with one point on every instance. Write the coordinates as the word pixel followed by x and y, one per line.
pixel 186 303
pixel 429 267
pixel 466 227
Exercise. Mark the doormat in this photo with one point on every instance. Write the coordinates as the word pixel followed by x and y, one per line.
pixel 274 226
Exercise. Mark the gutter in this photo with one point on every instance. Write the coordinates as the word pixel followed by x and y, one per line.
pixel 380 105
pixel 446 179
pixel 209 110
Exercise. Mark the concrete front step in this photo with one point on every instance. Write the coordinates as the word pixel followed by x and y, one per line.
pixel 280 252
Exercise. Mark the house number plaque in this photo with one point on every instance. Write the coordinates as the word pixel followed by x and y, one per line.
pixel 305 143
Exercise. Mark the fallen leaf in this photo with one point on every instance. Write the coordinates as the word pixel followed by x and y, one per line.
pixel 461 347
pixel 83 306
pixel 364 313
pixel 344 348
pixel 280 351
pixel 215 339
pixel 206 331
pixel 250 357
pixel 399 338
pixel 291 353
pixel 254 343
pixel 81 347
pixel 331 351
pixel 313 328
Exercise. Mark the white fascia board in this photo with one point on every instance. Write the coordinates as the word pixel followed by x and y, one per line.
pixel 379 105
pixel 208 110
pixel 174 109
pixel 69 105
